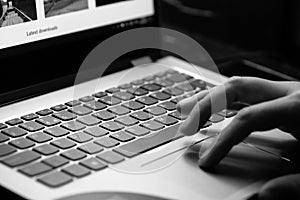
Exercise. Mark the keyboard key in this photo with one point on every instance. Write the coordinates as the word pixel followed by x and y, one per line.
pixel 160 96
pixel 74 154
pixel 112 90
pixel 110 157
pixel 151 87
pixel 96 131
pixel 104 115
pixel 21 158
pixel 155 110
pixel 80 137
pixel 124 96
pixel 73 103
pixel 14 132
pixel 185 87
pixel 133 105
pixel 149 78
pixel 46 149
pixel 161 74
pixel 177 99
pixel 56 131
pixel 168 105
pixel 164 82
pixel 166 120
pixel 22 143
pixel 55 179
pixel 137 131
pixel 95 105
pixel 86 99
pixel 199 84
pixel 216 118
pixel 147 100
pixel 35 169
pixel 178 115
pixel 73 126
pixel 177 78
pixel 39 137
pixel 137 91
pixel 44 112
pixel 3 138
pixel 112 126
pixel 89 120
pixel 207 124
pixel 64 115
pixel 111 101
pixel 107 142
pixel 119 110
pixel 228 113
pixel 147 143
pixel 127 121
pixel 14 122
pixel 77 171
pixel 100 94
pixel 173 91
pixel 93 164
pixel 48 121
pixel 137 82
pixel 80 110
pixel 30 117
pixel 152 125
pixel 171 71
pixel 90 148
pixel 125 86
pixel 55 161
pixel 141 115
pixel 63 143
pixel 6 150
pixel 3 126
pixel 122 136
pixel 31 126
pixel 59 107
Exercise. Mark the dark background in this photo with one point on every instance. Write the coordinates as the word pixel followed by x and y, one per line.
pixel 266 32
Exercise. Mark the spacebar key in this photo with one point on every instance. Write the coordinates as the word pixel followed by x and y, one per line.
pixel 150 142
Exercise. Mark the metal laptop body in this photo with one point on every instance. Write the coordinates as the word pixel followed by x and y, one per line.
pixel 169 171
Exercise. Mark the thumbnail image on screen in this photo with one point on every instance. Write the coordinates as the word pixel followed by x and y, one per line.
pixel 105 2
pixel 58 7
pixel 16 12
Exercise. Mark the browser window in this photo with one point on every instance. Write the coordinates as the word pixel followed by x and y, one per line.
pixel 25 21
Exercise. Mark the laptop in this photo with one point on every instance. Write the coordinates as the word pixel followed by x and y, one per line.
pixel 68 130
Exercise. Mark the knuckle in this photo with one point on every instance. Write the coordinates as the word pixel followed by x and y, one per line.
pixel 246 114
pixel 234 84
pixel 235 80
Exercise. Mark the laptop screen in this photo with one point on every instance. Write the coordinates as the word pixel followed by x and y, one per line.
pixel 45 41
pixel 25 21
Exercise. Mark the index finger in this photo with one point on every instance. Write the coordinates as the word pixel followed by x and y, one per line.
pixel 259 117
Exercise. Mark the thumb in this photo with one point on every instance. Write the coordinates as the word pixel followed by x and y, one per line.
pixel 286 187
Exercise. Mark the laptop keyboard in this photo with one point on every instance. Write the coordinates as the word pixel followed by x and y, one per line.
pixel 69 141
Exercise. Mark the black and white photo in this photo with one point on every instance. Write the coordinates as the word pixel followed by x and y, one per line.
pixel 14 12
pixel 58 7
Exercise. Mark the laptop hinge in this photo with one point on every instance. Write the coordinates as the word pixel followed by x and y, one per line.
pixel 141 61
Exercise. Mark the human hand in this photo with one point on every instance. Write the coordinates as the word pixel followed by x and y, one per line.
pixel 271 105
